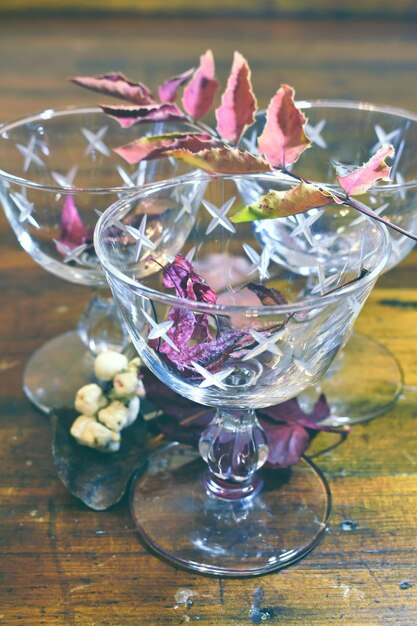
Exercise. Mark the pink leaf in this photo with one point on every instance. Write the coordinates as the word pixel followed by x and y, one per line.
pixel 199 93
pixel 362 178
pixel 238 105
pixel 283 138
pixel 129 115
pixel 147 148
pixel 292 201
pixel 222 160
pixel 73 230
pixel 117 85
pixel 287 443
pixel 168 90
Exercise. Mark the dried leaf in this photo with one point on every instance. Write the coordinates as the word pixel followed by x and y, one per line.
pixel 275 204
pixel 179 275
pixel 364 177
pixel 73 230
pixel 168 90
pixel 222 160
pixel 283 138
pixel 287 443
pixel 98 479
pixel 199 94
pixel 147 148
pixel 238 105
pixel 130 115
pixel 117 85
pixel 267 295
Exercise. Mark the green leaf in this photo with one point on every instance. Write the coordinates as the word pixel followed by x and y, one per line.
pixel 298 199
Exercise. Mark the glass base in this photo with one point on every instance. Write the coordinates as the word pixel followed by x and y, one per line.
pixel 364 381
pixel 56 371
pixel 276 526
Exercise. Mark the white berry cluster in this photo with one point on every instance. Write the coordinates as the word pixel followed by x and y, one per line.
pixel 105 413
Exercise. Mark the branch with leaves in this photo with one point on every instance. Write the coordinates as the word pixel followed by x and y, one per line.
pixel 216 150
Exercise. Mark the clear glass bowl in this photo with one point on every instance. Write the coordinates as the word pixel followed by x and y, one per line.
pixel 58 172
pixel 348 133
pixel 242 347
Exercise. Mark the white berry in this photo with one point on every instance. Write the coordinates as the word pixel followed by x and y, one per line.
pixel 90 399
pixel 109 363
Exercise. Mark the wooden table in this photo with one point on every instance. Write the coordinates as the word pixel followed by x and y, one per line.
pixel 64 564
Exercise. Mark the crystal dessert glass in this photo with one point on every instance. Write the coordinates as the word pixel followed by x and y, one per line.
pixel 366 379
pixel 57 173
pixel 252 344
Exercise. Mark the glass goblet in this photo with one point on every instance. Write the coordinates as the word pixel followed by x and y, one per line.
pixel 57 171
pixel 366 379
pixel 253 344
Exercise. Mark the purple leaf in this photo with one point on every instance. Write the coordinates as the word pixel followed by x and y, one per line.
pixel 168 90
pixel 290 412
pixel 267 295
pixel 130 115
pixel 147 148
pixel 238 105
pixel 287 443
pixel 73 230
pixel 179 275
pixel 283 138
pixel 117 85
pixel 199 94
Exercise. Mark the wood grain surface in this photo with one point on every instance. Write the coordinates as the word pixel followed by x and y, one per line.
pixel 64 564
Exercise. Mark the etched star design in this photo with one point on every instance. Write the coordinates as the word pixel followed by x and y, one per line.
pixel 219 215
pixel 325 282
pixel 212 380
pixel 29 154
pixel 190 254
pixel 65 180
pixel 140 235
pixel 186 209
pixel 137 179
pixel 399 179
pixel 265 344
pixel 260 262
pixel 314 133
pixel 159 331
pixel 305 224
pixel 354 305
pixel 383 137
pixel 25 207
pixel 71 254
pixel 95 141
pixel 303 367
pixel 251 143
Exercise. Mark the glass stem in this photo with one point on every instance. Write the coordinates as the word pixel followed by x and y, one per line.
pixel 234 447
pixel 101 327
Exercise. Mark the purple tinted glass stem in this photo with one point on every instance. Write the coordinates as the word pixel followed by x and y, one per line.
pixel 234 447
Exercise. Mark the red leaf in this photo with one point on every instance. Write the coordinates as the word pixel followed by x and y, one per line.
pixel 73 230
pixel 222 160
pixel 362 178
pixel 168 90
pixel 147 148
pixel 117 85
pixel 283 138
pixel 199 93
pixel 238 106
pixel 129 115
pixel 287 442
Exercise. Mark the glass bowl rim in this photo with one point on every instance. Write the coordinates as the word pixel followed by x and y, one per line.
pixel 259 310
pixel 358 105
pixel 56 113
